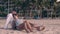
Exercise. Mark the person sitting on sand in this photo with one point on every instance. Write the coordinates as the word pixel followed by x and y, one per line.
pixel 10 20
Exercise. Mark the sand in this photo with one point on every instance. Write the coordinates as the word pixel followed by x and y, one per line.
pixel 52 26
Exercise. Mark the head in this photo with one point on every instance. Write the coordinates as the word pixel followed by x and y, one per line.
pixel 15 16
pixel 14 12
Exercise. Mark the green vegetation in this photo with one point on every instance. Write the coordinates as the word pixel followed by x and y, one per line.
pixel 22 7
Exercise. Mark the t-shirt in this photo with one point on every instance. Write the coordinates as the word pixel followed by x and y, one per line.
pixel 19 21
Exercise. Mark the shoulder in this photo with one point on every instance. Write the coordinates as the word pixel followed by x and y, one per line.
pixel 10 14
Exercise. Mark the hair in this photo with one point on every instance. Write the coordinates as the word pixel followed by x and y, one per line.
pixel 12 11
pixel 15 15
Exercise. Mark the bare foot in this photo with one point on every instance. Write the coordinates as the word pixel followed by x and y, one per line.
pixel 40 28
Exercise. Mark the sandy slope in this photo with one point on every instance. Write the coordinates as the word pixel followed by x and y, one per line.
pixel 52 26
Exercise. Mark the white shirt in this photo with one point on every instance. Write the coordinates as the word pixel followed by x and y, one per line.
pixel 9 20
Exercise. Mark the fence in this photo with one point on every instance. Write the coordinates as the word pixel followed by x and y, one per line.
pixel 30 9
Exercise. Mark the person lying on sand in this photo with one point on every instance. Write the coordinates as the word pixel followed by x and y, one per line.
pixel 22 24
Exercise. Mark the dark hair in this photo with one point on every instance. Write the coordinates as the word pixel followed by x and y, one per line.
pixel 11 11
pixel 15 15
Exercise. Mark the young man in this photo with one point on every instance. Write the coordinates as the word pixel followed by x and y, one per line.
pixel 10 19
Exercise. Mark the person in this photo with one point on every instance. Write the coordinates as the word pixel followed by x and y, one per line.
pixel 10 19
pixel 22 24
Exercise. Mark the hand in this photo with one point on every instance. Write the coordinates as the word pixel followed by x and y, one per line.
pixel 16 17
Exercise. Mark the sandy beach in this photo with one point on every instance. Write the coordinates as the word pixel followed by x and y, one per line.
pixel 52 26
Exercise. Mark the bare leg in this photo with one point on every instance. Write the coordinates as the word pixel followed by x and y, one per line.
pixel 39 28
pixel 29 26
pixel 26 28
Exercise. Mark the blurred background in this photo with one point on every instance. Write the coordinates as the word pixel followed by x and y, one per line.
pixel 31 9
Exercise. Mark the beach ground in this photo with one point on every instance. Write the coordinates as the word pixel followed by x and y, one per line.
pixel 52 26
